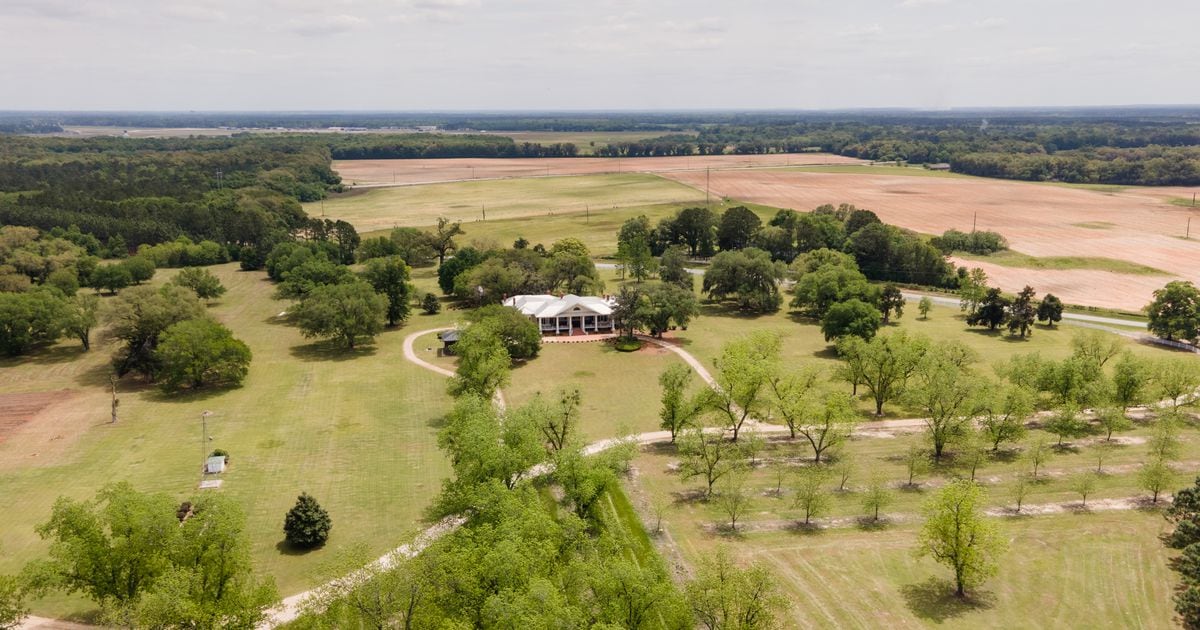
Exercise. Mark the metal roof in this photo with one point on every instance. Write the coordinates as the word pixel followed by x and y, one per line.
pixel 550 306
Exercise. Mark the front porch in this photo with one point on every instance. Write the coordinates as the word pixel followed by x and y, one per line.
pixel 575 324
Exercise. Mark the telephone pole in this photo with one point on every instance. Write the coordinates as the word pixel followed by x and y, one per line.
pixel 204 439
pixel 707 195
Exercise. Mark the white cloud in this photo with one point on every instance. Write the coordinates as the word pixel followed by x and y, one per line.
pixel 865 30
pixel 317 25
pixel 195 13
pixel 915 4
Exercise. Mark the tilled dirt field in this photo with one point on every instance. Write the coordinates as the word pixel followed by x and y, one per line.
pixel 384 172
pixel 17 409
pixel 1038 219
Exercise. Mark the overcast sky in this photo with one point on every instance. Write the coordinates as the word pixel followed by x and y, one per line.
pixel 597 54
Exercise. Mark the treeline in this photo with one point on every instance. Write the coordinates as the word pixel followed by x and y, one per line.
pixel 242 193
pixel 1127 152
pixel 1153 165
pixel 425 145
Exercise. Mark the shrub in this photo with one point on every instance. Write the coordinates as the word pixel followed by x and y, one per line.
pixel 307 524
pixel 202 282
pixel 430 304
pixel 140 268
pixel 628 344
pixel 978 242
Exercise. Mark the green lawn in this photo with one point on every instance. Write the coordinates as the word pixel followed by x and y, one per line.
pixel 357 431
pixel 539 197
pixel 619 390
pixel 1011 258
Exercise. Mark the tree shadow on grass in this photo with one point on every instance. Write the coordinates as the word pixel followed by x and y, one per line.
pixel 934 600
pixel 804 529
pixel 287 549
pixel 724 530
pixel 828 352
pixel 98 375
pixel 188 395
pixel 52 355
pixel 330 351
pixel 728 309
pixel 870 524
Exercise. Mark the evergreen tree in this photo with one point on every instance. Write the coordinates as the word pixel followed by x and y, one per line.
pixel 307 524
pixel 1022 313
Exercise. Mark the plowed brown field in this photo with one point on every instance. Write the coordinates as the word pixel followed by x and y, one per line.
pixel 1038 219
pixel 386 172
pixel 17 409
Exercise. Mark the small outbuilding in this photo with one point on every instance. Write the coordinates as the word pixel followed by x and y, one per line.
pixel 214 465
pixel 448 338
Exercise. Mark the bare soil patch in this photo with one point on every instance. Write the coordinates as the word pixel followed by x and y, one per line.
pixel 428 171
pixel 1037 219
pixel 18 409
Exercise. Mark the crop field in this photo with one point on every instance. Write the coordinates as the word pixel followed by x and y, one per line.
pixel 502 199
pixel 596 229
pixel 1140 226
pixel 428 171
pixel 357 431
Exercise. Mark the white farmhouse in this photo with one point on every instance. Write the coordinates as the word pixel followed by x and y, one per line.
pixel 567 315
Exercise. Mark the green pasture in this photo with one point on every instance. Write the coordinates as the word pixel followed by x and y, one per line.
pixel 357 431
pixel 531 198
pixel 1011 258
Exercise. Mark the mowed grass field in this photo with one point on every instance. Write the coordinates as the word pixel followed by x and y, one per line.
pixel 1068 568
pixel 357 431
pixel 468 201
pixel 1012 258
pixel 1103 570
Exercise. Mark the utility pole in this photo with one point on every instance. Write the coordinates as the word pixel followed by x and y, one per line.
pixel 203 440
pixel 1187 234
pixel 974 218
pixel 483 209
pixel 112 380
pixel 707 196
pixel 587 214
